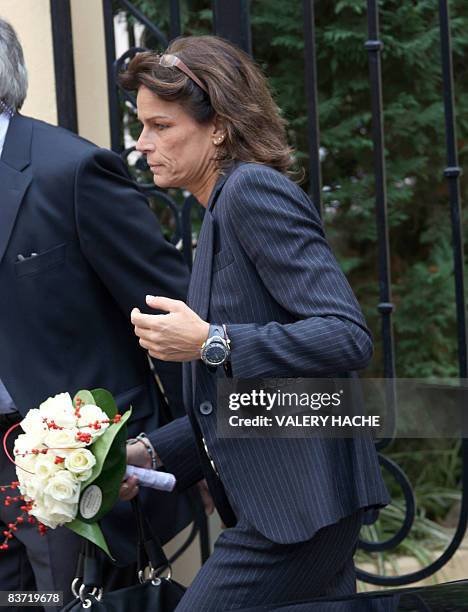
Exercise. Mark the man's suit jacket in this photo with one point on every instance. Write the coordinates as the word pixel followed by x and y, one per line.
pixel 263 267
pixel 65 313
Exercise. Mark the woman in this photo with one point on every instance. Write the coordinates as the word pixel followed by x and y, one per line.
pixel 267 299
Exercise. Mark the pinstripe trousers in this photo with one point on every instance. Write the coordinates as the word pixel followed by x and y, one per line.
pixel 246 569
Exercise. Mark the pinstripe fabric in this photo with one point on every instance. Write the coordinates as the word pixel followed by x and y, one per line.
pixel 172 445
pixel 246 569
pixel 264 267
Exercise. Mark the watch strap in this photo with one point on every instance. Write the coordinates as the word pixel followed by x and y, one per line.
pixel 216 330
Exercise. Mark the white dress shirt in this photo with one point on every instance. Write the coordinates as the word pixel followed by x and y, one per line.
pixel 6 403
pixel 4 122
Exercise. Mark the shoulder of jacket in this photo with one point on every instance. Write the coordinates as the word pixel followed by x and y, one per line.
pixel 262 177
pixel 60 136
pixel 251 170
pixel 71 148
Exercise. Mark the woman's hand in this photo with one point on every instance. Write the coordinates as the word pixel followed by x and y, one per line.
pixel 176 336
pixel 206 498
pixel 136 455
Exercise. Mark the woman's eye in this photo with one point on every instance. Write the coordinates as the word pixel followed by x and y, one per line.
pixel 160 126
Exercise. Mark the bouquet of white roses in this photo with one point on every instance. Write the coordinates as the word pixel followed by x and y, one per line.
pixel 70 462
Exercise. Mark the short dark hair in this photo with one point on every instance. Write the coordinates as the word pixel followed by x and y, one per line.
pixel 237 92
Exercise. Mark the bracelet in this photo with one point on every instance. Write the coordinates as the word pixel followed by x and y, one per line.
pixel 143 438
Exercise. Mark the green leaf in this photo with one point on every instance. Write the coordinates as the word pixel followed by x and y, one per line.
pixel 92 532
pixel 85 396
pixel 105 401
pixel 111 461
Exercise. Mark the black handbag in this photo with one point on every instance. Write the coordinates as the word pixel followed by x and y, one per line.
pixel 154 592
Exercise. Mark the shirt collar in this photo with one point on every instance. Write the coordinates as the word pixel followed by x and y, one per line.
pixel 6 108
pixel 4 123
pixel 6 113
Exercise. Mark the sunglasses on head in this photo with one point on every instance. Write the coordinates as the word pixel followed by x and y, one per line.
pixel 168 61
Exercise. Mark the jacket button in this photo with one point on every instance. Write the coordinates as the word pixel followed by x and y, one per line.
pixel 206 408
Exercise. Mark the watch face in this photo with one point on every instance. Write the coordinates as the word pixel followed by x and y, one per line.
pixel 215 354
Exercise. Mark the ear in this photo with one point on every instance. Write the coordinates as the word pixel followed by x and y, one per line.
pixel 219 132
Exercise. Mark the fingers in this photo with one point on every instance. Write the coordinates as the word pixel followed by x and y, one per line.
pixel 165 304
pixel 129 489
pixel 206 498
pixel 145 321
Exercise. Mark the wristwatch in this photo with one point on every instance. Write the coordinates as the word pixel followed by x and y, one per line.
pixel 216 349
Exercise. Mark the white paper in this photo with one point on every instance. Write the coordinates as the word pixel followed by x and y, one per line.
pixel 152 478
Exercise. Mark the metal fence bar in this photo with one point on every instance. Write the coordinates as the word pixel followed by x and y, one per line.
pixel 385 306
pixel 374 47
pixel 62 37
pixel 113 97
pixel 313 128
pixel 231 20
pixel 175 28
pixel 452 174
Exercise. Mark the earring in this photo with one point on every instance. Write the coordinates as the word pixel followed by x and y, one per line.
pixel 219 140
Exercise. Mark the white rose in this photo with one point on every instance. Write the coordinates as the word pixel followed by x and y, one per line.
pixel 63 487
pixel 25 466
pixel 25 443
pixel 33 425
pixel 31 487
pixel 45 466
pixel 83 476
pixel 90 414
pixel 63 440
pixel 53 513
pixel 60 410
pixel 79 461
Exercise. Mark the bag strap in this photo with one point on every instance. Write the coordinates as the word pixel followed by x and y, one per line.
pixel 86 584
pixel 150 552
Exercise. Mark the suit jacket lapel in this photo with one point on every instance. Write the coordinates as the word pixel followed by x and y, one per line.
pixel 200 281
pixel 14 180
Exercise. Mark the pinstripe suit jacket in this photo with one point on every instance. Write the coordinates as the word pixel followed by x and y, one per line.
pixel 264 268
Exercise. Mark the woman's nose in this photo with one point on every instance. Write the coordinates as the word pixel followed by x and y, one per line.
pixel 143 145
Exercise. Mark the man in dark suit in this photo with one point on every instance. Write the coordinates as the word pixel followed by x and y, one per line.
pixel 79 247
